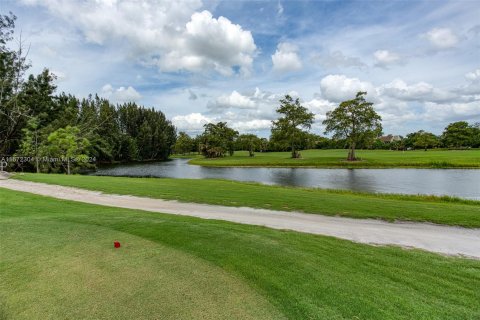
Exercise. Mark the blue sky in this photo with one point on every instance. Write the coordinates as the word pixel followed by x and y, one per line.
pixel 201 61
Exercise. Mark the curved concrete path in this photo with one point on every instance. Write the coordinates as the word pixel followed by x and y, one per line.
pixel 436 238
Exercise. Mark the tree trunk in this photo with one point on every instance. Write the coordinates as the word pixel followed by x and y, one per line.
pixel 351 153
pixel 68 165
pixel 36 152
pixel 294 152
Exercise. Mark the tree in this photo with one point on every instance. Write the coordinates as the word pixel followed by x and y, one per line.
pixel 422 140
pixel 66 144
pixel 37 96
pixel 458 134
pixel 184 144
pixel 13 64
pixel 291 125
pixel 354 120
pixel 29 146
pixel 249 142
pixel 217 139
pixel 154 135
pixel 263 145
pixel 476 135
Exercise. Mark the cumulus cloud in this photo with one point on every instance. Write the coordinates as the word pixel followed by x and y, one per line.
pixel 169 34
pixel 473 76
pixel 385 58
pixel 252 125
pixel 319 107
pixel 211 43
pixel 121 94
pixel 286 59
pixel 192 122
pixel 420 91
pixel 473 84
pixel 247 111
pixel 145 24
pixel 449 112
pixel 339 88
pixel 234 100
pixel 442 38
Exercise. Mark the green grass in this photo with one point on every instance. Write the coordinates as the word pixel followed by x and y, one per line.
pixel 444 210
pixel 336 159
pixel 58 262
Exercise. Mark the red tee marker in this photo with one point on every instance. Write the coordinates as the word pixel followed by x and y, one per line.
pixel 116 244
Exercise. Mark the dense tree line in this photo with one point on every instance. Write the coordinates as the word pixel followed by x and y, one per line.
pixel 457 135
pixel 61 133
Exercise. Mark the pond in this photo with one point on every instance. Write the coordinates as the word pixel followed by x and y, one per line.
pixel 464 183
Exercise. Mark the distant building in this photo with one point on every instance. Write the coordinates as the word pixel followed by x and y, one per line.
pixel 390 138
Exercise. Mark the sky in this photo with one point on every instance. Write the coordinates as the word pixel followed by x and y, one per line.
pixel 208 61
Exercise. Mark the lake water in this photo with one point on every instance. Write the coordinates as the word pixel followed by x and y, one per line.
pixel 463 183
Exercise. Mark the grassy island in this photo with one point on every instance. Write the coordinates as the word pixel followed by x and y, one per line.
pixel 336 158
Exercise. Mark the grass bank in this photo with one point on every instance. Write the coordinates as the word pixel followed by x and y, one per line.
pixel 441 210
pixel 336 159
pixel 58 262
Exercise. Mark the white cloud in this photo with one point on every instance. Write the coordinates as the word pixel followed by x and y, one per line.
pixel 252 125
pixel 247 111
pixel 286 58
pixel 192 122
pixel 442 38
pixel 339 88
pixel 384 58
pixel 320 105
pixel 211 43
pixel 473 76
pixel 234 100
pixel 449 112
pixel 169 34
pixel 121 94
pixel 145 24
pixel 420 91
pixel 472 87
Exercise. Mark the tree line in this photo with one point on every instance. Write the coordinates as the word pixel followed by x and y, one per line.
pixel 37 125
pixel 353 124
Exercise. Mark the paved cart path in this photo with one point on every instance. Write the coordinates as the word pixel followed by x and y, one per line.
pixel 435 238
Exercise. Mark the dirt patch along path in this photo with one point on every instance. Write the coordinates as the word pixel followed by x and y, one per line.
pixel 435 238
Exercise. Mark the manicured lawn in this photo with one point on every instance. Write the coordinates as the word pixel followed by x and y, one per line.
pixel 58 262
pixel 328 202
pixel 336 158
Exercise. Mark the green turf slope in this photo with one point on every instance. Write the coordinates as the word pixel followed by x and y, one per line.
pixel 58 262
